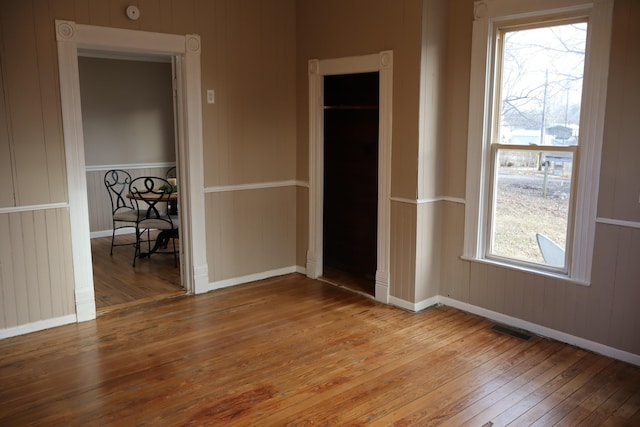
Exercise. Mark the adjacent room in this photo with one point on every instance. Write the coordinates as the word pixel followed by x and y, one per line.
pixel 128 128
pixel 383 212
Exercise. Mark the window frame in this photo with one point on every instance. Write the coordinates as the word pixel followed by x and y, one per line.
pixel 491 203
pixel 489 17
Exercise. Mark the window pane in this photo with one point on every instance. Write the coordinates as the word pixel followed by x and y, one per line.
pixel 541 85
pixel 531 205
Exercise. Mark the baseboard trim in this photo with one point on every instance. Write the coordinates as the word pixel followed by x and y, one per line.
pixel 543 331
pixel 413 306
pixel 108 233
pixel 40 325
pixel 250 278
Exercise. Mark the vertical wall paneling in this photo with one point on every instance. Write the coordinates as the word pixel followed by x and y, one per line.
pixel 36 281
pixel 183 15
pixel 302 225
pixel 455 272
pixel 596 302
pixel 63 9
pixel 50 101
pixel 166 15
pixel 478 285
pixel 82 12
pixel 428 250
pixel 215 248
pixel 150 17
pixel 624 330
pixel 513 293
pixel 7 193
pixel 251 231
pixel 534 297
pixel 65 283
pixel 98 13
pixel 19 262
pixel 620 176
pixel 25 104
pixel 9 304
pixel 496 288
pixel 30 254
pixel 403 250
pixel 553 298
pixel 58 271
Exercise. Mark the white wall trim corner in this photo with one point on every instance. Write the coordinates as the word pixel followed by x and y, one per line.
pixel 31 208
pixel 411 306
pixel 427 200
pixel 543 331
pixel 109 233
pixel 220 284
pixel 254 186
pixel 67 42
pixel 618 222
pixel 85 304
pixel 200 278
pixel 40 325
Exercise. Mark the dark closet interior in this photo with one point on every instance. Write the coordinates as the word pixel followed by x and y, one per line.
pixel 351 104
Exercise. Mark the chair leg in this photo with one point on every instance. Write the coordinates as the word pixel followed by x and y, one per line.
pixel 175 254
pixel 113 238
pixel 137 251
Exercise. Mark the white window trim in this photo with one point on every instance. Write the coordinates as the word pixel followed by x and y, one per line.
pixel 487 15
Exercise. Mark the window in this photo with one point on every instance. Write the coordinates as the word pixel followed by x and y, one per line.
pixel 535 132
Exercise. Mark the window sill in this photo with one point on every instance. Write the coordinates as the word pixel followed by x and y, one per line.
pixel 549 274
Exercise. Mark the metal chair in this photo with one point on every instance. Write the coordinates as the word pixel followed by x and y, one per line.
pixel 123 213
pixel 171 176
pixel 150 196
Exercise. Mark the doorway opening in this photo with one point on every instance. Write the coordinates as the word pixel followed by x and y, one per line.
pixel 184 52
pixel 128 120
pixel 377 67
pixel 350 219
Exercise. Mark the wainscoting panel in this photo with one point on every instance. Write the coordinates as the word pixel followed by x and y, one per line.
pixel 403 251
pixel 36 275
pixel 605 312
pixel 250 231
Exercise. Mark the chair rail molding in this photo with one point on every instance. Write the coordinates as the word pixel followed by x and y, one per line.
pixel 184 51
pixel 381 62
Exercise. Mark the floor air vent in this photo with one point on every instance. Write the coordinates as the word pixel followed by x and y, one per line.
pixel 515 333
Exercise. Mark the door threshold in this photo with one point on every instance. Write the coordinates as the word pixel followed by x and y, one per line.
pixel 345 286
pixel 117 307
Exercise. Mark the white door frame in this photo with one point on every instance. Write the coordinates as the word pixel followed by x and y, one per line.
pixel 110 41
pixel 381 62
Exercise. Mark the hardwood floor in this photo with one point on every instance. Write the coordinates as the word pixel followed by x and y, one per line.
pixel 295 351
pixel 117 284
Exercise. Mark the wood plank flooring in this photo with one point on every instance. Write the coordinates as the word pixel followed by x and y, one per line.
pixel 117 284
pixel 295 351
